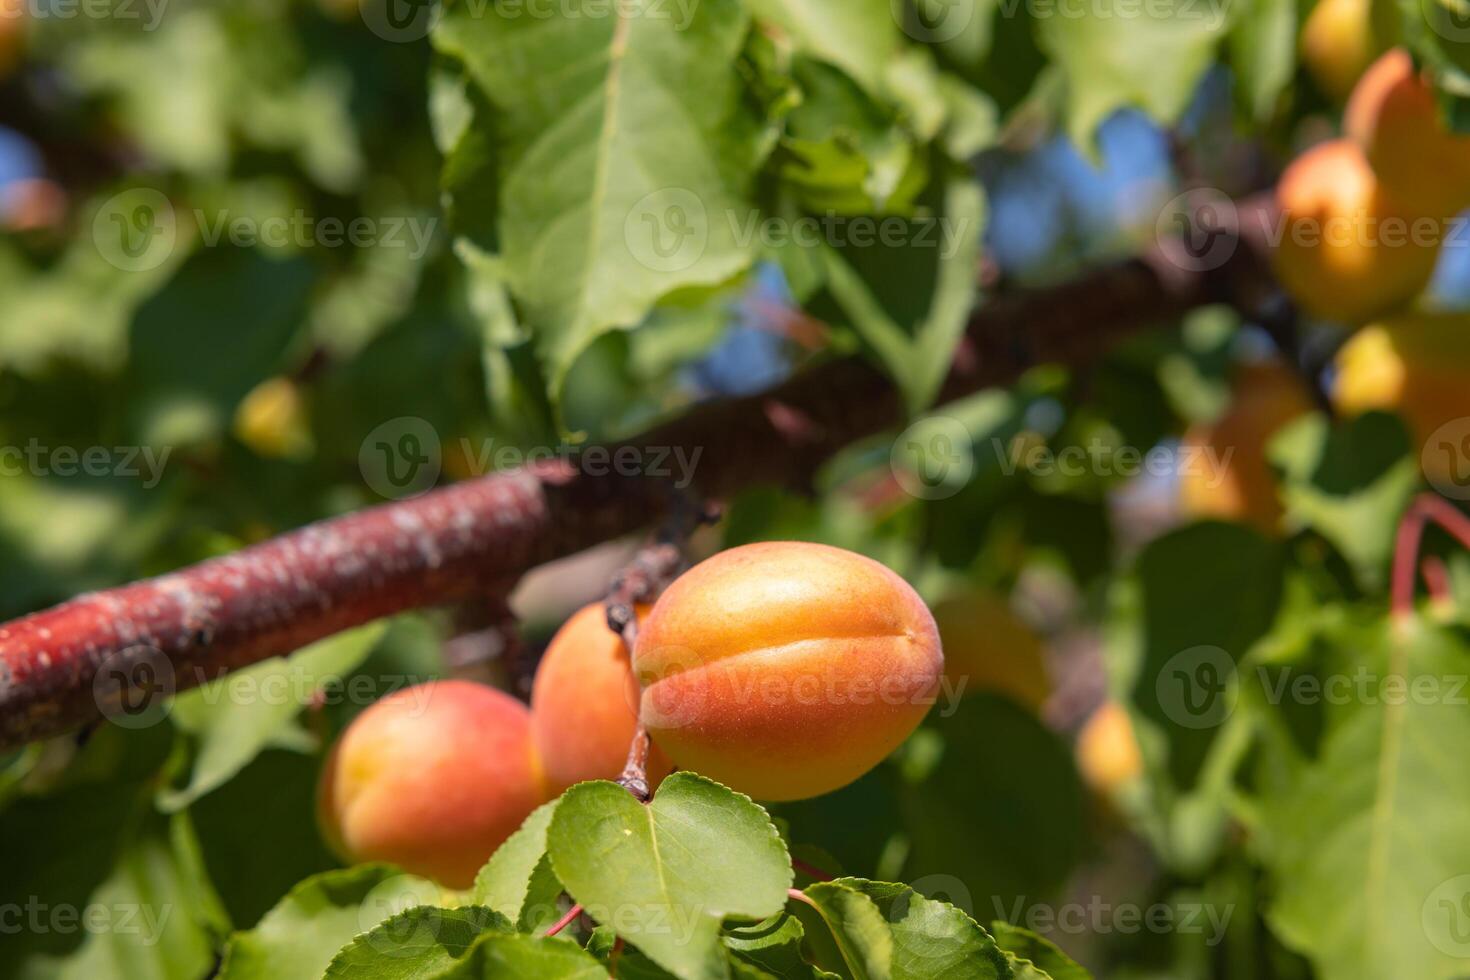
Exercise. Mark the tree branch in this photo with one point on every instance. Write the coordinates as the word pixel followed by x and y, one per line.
pixel 479 536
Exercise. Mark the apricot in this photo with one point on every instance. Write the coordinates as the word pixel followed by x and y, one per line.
pixel 987 647
pixel 1419 367
pixel 272 420
pixel 1394 118
pixel 1338 44
pixel 786 670
pixel 1108 757
pixel 584 704
pixel 431 778
pixel 1348 250
pixel 1224 470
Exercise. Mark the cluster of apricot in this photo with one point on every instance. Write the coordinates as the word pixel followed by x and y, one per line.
pixel 783 670
pixel 1363 219
pixel 1364 215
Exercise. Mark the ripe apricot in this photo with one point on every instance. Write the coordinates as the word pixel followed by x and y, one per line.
pixel 1338 44
pixel 1418 366
pixel 1224 470
pixel 1393 117
pixel 432 778
pixel 1108 757
pixel 1348 250
pixel 584 704
pixel 987 647
pixel 786 670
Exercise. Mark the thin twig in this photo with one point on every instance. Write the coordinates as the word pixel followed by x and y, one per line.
pixel 565 920
pixel 1424 509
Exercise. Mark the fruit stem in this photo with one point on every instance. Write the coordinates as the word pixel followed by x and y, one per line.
pixel 1437 578
pixel 810 870
pixel 1424 509
pixel 634 777
pixel 565 920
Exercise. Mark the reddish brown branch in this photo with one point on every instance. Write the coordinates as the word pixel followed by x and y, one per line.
pixel 479 536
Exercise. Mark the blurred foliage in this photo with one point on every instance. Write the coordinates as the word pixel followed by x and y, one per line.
pixel 249 242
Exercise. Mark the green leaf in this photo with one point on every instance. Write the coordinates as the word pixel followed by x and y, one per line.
pixel 1197 624
pixel 191 373
pixel 847 153
pixel 301 935
pixel 773 946
pixel 518 957
pixel 151 932
pixel 910 302
pixel 1033 956
pixel 1367 848
pixel 518 881
pixel 1349 482
pixel 1007 787
pixel 863 938
pixel 859 36
pixel 234 719
pixel 626 148
pixel 1114 54
pixel 666 875
pixel 1263 44
pixel 891 931
pixel 419 942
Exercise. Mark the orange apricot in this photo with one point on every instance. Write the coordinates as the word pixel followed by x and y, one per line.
pixel 432 778
pixel 786 670
pixel 1348 250
pixel 1394 118
pixel 584 704
pixel 1224 471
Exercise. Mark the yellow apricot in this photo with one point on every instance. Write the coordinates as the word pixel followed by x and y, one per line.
pixel 786 670
pixel 272 419
pixel 1418 366
pixel 1338 44
pixel 1108 757
pixel 987 647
